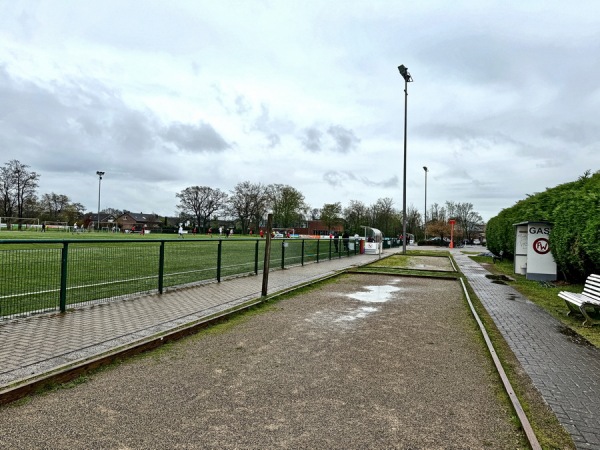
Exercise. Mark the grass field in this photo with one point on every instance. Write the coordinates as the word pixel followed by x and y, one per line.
pixel 103 266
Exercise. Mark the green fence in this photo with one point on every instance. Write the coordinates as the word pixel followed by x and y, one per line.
pixel 53 275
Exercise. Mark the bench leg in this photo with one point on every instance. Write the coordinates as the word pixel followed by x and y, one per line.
pixel 588 320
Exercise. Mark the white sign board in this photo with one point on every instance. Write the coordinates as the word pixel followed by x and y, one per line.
pixel 540 262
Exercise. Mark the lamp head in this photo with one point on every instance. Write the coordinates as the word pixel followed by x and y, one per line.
pixel 404 72
pixel 425 169
pixel 99 173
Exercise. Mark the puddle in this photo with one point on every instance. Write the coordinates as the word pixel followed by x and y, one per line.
pixel 512 297
pixel 574 337
pixel 358 314
pixel 375 294
pixel 498 282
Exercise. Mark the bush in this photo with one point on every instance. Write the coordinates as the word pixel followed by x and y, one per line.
pixel 574 210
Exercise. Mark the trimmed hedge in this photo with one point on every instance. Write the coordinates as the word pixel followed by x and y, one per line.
pixel 574 209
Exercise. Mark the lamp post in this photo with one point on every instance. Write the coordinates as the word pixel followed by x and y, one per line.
pixel 100 175
pixel 425 216
pixel 407 79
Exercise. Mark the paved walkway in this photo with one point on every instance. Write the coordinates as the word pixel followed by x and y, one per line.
pixel 567 373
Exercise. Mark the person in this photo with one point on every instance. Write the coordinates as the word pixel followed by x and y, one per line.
pixel 346 239
pixel 210 231
pixel 75 227
pixel 221 231
pixel 44 227
pixel 231 232
pixel 180 231
pixel 262 234
pixel 194 231
pixel 336 240
pixel 250 232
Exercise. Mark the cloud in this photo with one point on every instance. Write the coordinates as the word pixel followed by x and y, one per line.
pixel 339 179
pixel 337 139
pixel 344 139
pixel 194 138
pixel 311 139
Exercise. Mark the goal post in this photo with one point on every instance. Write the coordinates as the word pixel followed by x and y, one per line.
pixel 19 223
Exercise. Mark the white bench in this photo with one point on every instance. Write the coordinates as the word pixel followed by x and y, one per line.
pixel 589 298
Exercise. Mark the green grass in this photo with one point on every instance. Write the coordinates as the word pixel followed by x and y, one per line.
pixel 546 296
pixel 101 266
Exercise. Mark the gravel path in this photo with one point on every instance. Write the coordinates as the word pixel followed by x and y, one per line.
pixel 366 362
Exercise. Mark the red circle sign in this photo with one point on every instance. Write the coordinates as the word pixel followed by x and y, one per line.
pixel 541 246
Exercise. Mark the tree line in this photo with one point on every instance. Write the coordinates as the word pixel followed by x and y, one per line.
pixel 247 204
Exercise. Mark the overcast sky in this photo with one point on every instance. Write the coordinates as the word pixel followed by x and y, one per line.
pixel 165 95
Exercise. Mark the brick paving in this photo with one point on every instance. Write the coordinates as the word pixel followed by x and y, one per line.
pixel 566 371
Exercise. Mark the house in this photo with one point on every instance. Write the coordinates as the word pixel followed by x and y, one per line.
pixel 129 221
pixel 90 221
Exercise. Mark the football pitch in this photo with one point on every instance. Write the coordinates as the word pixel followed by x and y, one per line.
pixel 42 272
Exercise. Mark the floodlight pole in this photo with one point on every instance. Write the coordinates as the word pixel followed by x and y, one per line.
pixel 407 78
pixel 100 174
pixel 425 216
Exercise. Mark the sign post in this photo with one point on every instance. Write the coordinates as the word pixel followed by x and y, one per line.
pixel 537 262
pixel 452 222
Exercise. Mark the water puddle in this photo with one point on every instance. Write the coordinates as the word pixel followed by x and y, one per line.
pixel 375 294
pixel 499 282
pixel 358 314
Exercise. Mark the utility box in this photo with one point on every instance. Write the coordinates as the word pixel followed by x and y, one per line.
pixel 532 251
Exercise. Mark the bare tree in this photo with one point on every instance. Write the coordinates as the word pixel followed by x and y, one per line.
pixel 201 202
pixel 17 188
pixel 246 201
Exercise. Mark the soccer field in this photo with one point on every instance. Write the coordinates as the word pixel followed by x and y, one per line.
pixel 53 271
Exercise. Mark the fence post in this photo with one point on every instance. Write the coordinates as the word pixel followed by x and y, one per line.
pixel 330 249
pixel 318 245
pixel 256 258
pixel 283 254
pixel 219 260
pixel 63 277
pixel 302 254
pixel 161 266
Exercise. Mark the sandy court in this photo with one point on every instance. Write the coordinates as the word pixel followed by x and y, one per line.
pixel 367 361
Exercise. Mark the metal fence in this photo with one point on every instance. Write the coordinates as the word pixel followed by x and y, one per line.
pixel 54 275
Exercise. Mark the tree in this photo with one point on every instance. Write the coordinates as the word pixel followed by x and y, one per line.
pixel 246 201
pixel 200 202
pixel 17 188
pixel 59 208
pixel 331 214
pixel 355 215
pixel 287 204
pixel 383 216
pixel 468 221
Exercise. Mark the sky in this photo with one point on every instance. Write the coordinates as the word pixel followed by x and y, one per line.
pixel 161 96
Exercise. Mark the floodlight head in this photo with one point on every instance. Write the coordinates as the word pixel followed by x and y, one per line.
pixel 425 169
pixel 404 72
pixel 100 174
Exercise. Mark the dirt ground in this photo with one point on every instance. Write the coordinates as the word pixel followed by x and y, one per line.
pixel 365 362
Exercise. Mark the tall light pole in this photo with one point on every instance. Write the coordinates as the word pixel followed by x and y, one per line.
pixel 100 175
pixel 407 79
pixel 425 220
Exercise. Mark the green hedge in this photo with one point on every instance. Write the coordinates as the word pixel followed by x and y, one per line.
pixel 574 209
